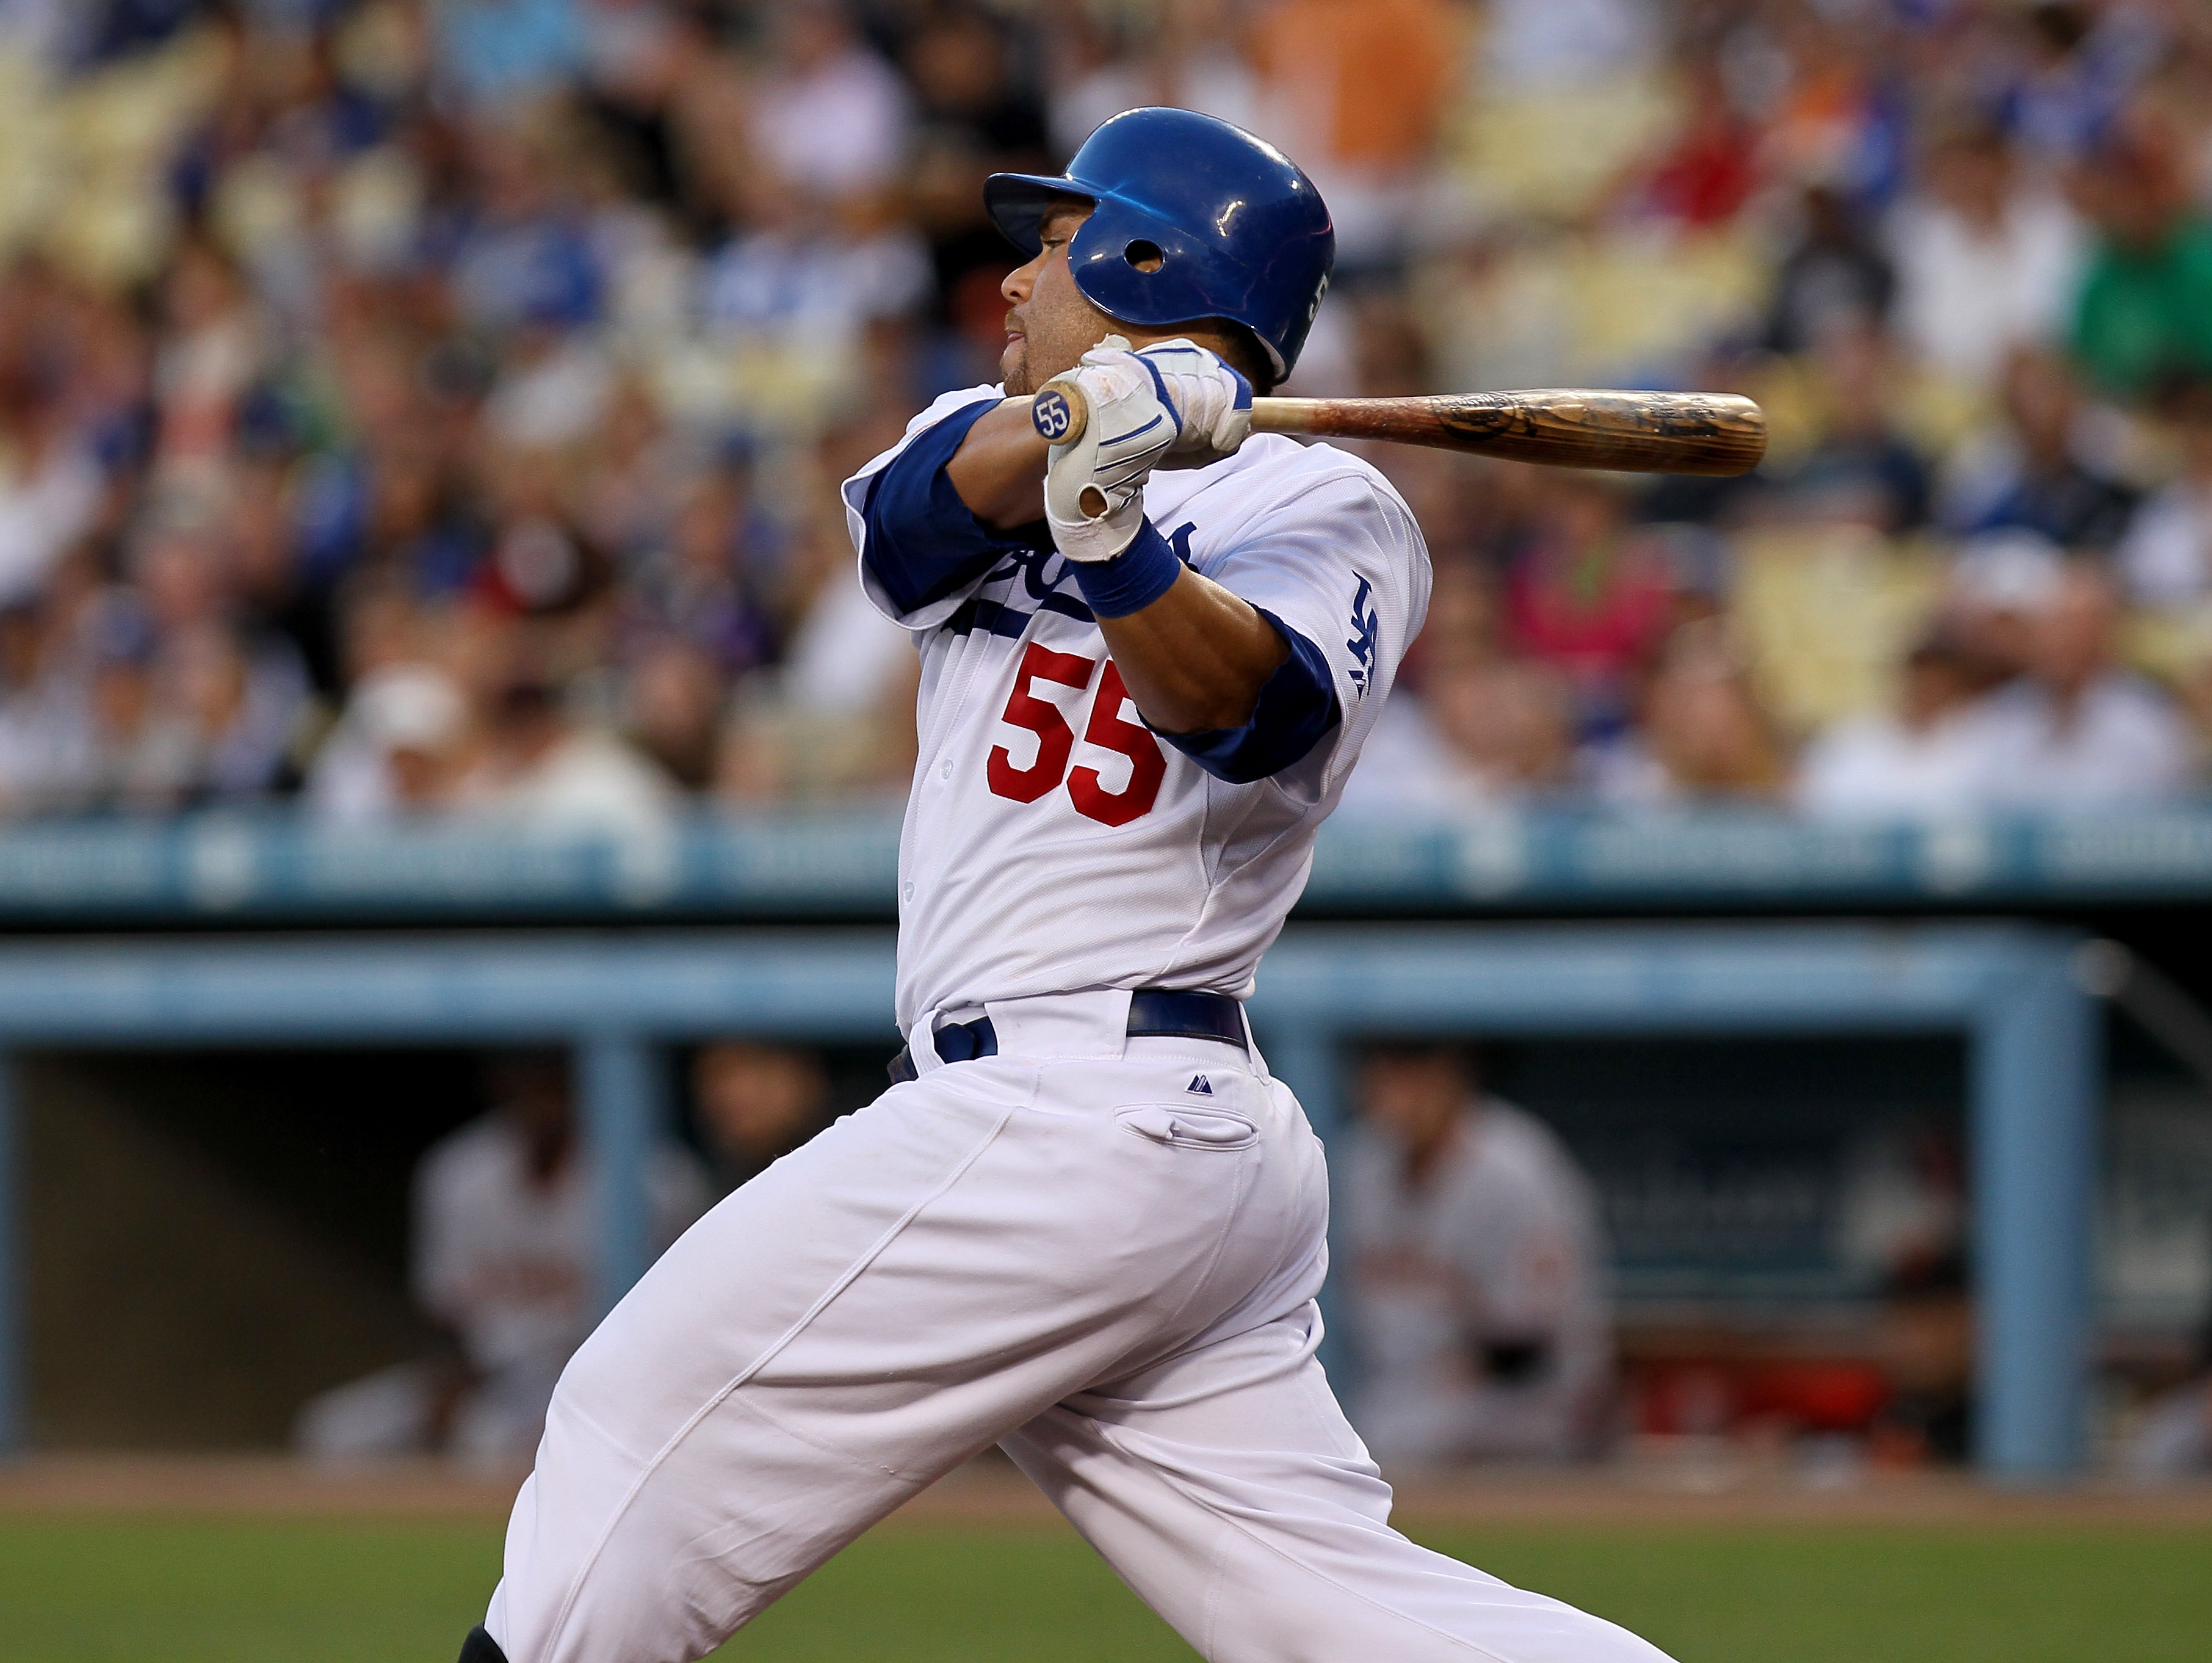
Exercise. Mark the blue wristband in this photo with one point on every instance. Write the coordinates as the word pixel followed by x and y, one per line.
pixel 1133 579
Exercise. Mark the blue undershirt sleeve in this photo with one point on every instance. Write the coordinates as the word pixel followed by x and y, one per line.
pixel 1297 705
pixel 923 542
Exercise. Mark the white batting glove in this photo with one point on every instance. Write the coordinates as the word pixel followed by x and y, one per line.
pixel 1212 402
pixel 1094 488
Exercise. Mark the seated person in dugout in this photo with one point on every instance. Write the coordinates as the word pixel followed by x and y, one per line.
pixel 754 1104
pixel 1477 1261
pixel 502 1256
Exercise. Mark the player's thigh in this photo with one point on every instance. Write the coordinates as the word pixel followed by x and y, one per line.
pixel 1228 1489
pixel 671 1500
pixel 848 1327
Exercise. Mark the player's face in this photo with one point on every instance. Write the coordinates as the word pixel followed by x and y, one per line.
pixel 1050 325
pixel 1414 1097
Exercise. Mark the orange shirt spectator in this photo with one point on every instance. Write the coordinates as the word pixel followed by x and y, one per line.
pixel 1363 80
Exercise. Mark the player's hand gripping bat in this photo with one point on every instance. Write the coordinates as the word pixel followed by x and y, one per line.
pixel 1714 433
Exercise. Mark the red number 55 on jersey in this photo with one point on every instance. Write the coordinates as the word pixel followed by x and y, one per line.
pixel 1107 729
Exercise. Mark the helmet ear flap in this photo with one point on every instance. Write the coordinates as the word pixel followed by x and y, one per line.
pixel 1143 254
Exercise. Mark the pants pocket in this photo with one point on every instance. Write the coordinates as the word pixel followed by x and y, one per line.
pixel 1183 1127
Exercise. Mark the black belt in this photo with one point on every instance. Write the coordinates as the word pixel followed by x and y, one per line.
pixel 1154 1013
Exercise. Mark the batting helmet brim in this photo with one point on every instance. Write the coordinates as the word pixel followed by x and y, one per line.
pixel 1018 203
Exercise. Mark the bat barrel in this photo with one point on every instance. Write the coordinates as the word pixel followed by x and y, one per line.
pixel 1708 432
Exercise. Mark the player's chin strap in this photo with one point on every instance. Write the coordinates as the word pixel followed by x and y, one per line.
pixel 481 1648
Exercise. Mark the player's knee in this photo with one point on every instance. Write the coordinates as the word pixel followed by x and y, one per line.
pixel 481 1648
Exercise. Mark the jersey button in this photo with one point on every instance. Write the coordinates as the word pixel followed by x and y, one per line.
pixel 944 768
pixel 906 890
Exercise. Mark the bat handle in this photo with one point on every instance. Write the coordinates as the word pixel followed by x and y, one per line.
pixel 1060 412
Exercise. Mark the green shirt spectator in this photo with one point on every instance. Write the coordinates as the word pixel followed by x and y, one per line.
pixel 2146 310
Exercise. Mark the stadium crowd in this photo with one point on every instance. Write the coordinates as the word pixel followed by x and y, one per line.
pixel 418 404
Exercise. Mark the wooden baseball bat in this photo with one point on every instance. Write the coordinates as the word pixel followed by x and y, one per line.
pixel 1711 433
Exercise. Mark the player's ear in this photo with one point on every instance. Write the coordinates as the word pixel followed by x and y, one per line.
pixel 481 1648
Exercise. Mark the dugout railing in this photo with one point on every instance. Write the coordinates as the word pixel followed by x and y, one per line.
pixel 274 869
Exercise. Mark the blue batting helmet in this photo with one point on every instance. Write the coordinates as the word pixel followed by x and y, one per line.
pixel 1236 229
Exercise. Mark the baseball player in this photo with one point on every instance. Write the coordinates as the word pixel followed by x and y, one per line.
pixel 1086 1225
pixel 1476 1247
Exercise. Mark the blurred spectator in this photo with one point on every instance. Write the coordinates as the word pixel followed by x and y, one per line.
pixel 706 583
pixel 497 52
pixel 756 1103
pixel 538 565
pixel 674 710
pixel 1834 274
pixel 1862 471
pixel 1703 737
pixel 1510 725
pixel 1902 1219
pixel 2174 1440
pixel 397 751
pixel 2073 75
pixel 1194 60
pixel 2145 307
pixel 1927 1352
pixel 1482 1322
pixel 1985 262
pixel 1998 582
pixel 244 704
pixel 1708 170
pixel 790 274
pixel 503 1262
pixel 2032 475
pixel 540 769
pixel 1549 44
pixel 1920 759
pixel 215 346
pixel 632 475
pixel 829 115
pixel 1356 89
pixel 1586 592
pixel 45 722
pixel 50 483
pixel 1486 734
pixel 2076 731
pixel 641 58
pixel 1835 118
pixel 1905 1215
pixel 183 708
pixel 2165 558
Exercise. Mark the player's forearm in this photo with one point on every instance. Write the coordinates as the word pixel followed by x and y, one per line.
pixel 998 469
pixel 1196 659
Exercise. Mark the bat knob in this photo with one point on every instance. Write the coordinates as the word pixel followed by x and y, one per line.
pixel 1059 413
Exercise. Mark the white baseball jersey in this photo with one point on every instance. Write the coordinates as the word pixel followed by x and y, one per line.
pixel 1053 843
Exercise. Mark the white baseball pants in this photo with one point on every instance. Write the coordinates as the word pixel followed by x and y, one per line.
pixel 1065 1250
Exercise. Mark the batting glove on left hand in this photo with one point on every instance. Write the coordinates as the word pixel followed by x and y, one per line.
pixel 1094 487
